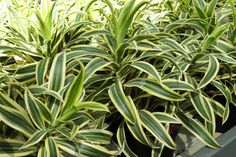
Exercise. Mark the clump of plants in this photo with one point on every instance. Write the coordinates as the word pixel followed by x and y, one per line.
pixel 78 78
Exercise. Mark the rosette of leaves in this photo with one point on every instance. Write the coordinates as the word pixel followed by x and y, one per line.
pixel 32 31
pixel 160 73
pixel 52 119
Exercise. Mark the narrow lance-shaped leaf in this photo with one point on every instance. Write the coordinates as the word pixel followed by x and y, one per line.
pixel 93 66
pixel 121 102
pixel 147 68
pixel 42 151
pixel 217 107
pixel 226 92
pixel 7 101
pixel 121 138
pixel 41 70
pixel 51 147
pixel 33 110
pixel 96 135
pixel 165 118
pixel 92 106
pixel 57 72
pixel 75 90
pixel 198 130
pixel 96 151
pixel 199 105
pixel 150 122
pixel 155 88
pixel 9 147
pixel 43 109
pixel 38 90
pixel 34 139
pixel 211 39
pixel 212 70
pixel 16 120
pixel 137 130
pixel 178 85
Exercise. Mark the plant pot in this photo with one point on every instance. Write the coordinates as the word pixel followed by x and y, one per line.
pixel 227 141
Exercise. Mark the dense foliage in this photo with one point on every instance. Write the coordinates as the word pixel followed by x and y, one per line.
pixel 77 76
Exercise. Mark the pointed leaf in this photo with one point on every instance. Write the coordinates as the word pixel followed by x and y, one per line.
pixel 57 72
pixel 155 88
pixel 34 139
pixel 147 68
pixel 150 122
pixel 121 102
pixel 74 93
pixel 9 147
pixel 212 71
pixel 198 130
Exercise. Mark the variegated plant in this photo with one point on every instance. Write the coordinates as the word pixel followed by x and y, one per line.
pixel 177 62
pixel 43 111
pixel 52 119
pixel 148 65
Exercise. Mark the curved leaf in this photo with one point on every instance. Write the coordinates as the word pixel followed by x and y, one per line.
pixel 155 88
pixel 150 122
pixel 198 130
pixel 212 70
pixel 147 68
pixel 9 147
pixel 121 102
pixel 34 139
pixel 91 105
pixel 178 85
pixel 57 72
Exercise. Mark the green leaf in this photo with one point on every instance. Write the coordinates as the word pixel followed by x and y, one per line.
pixel 178 85
pixel 165 118
pixel 121 138
pixel 225 58
pixel 7 101
pixel 34 139
pixel 44 111
pixel 91 105
pixel 212 71
pixel 97 136
pixel 16 120
pixel 96 151
pixel 136 129
pixel 155 88
pixel 197 129
pixel 9 147
pixel 41 70
pixel 147 68
pixel 33 110
pixel 74 93
pixel 151 123
pixel 51 147
pixel 38 90
pixel 121 102
pixel 57 72
pixel 217 107
pixel 226 92
pixel 211 39
pixel 200 106
pixel 42 151
pixel 93 66
pixel 68 146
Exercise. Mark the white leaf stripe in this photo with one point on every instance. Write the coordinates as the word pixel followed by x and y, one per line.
pixel 212 71
pixel 121 102
pixel 199 131
pixel 150 122
pixel 57 72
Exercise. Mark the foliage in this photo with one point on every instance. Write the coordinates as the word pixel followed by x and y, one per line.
pixel 71 70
